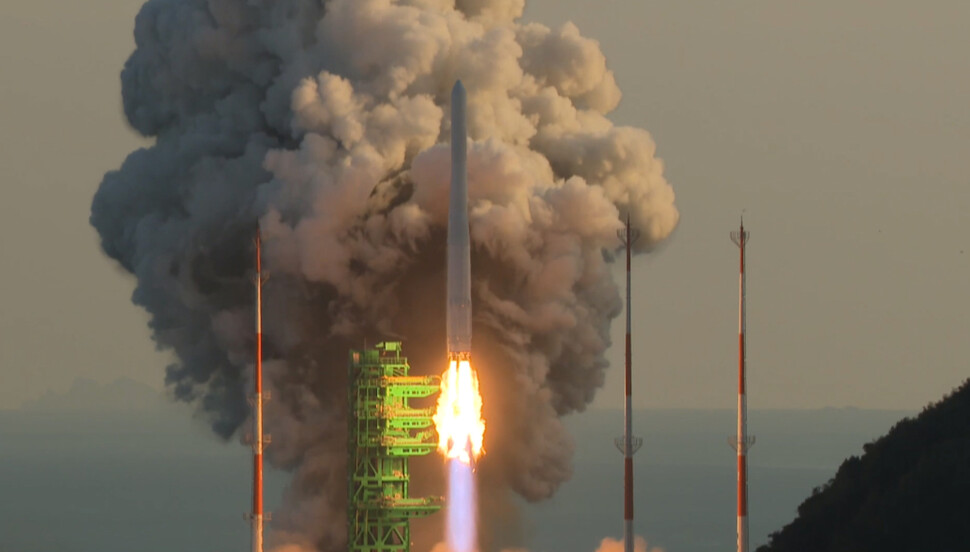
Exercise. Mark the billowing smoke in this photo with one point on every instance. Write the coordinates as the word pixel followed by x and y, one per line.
pixel 324 122
pixel 614 545
pixel 606 545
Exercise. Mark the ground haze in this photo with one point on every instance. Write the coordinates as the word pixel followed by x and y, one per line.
pixel 117 478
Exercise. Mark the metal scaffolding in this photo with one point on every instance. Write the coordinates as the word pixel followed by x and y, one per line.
pixel 384 433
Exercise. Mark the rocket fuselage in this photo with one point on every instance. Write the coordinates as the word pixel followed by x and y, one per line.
pixel 459 316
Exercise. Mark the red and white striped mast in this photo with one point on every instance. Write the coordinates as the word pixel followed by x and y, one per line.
pixel 628 444
pixel 742 442
pixel 256 518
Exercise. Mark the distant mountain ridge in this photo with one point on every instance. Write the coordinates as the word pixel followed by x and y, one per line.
pixel 87 395
pixel 907 492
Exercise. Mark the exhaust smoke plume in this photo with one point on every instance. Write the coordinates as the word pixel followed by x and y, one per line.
pixel 324 122
pixel 606 545
pixel 614 545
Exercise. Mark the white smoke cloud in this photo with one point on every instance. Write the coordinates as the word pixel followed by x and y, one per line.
pixel 606 545
pixel 325 123
pixel 614 545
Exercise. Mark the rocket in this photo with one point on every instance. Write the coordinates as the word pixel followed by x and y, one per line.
pixel 458 418
pixel 459 287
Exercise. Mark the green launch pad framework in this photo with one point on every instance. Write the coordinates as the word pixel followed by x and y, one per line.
pixel 384 432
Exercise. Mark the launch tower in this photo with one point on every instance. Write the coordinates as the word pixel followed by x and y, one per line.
pixel 384 433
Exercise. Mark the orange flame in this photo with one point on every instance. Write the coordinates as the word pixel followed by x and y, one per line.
pixel 461 430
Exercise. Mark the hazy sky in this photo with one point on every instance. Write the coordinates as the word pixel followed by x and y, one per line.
pixel 840 126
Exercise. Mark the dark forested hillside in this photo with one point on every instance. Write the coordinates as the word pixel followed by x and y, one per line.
pixel 909 491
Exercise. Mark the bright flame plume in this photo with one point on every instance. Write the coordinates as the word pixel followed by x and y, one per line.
pixel 461 430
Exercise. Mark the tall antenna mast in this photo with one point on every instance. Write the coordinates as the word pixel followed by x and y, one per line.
pixel 742 442
pixel 628 444
pixel 258 439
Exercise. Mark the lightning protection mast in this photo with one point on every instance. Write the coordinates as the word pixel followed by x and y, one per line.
pixel 257 517
pixel 628 444
pixel 742 442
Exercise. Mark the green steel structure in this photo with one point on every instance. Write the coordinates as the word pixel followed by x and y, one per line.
pixel 384 433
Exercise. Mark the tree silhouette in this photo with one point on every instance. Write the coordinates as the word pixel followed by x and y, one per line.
pixel 909 491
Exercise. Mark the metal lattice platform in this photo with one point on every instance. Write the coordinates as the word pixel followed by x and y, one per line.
pixel 384 433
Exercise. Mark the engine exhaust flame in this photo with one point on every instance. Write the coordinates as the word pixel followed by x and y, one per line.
pixel 458 419
pixel 461 432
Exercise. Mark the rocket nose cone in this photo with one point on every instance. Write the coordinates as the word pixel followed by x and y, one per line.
pixel 458 91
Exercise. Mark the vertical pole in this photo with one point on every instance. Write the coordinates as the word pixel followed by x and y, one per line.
pixel 628 444
pixel 743 441
pixel 742 414
pixel 257 516
pixel 628 414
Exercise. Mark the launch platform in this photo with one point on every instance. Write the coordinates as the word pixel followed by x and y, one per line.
pixel 384 432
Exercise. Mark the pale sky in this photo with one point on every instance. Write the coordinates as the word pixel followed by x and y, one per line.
pixel 840 126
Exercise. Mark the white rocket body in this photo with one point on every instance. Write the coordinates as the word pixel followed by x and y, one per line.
pixel 459 316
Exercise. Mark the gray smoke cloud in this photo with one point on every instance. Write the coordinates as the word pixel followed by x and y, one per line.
pixel 325 124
